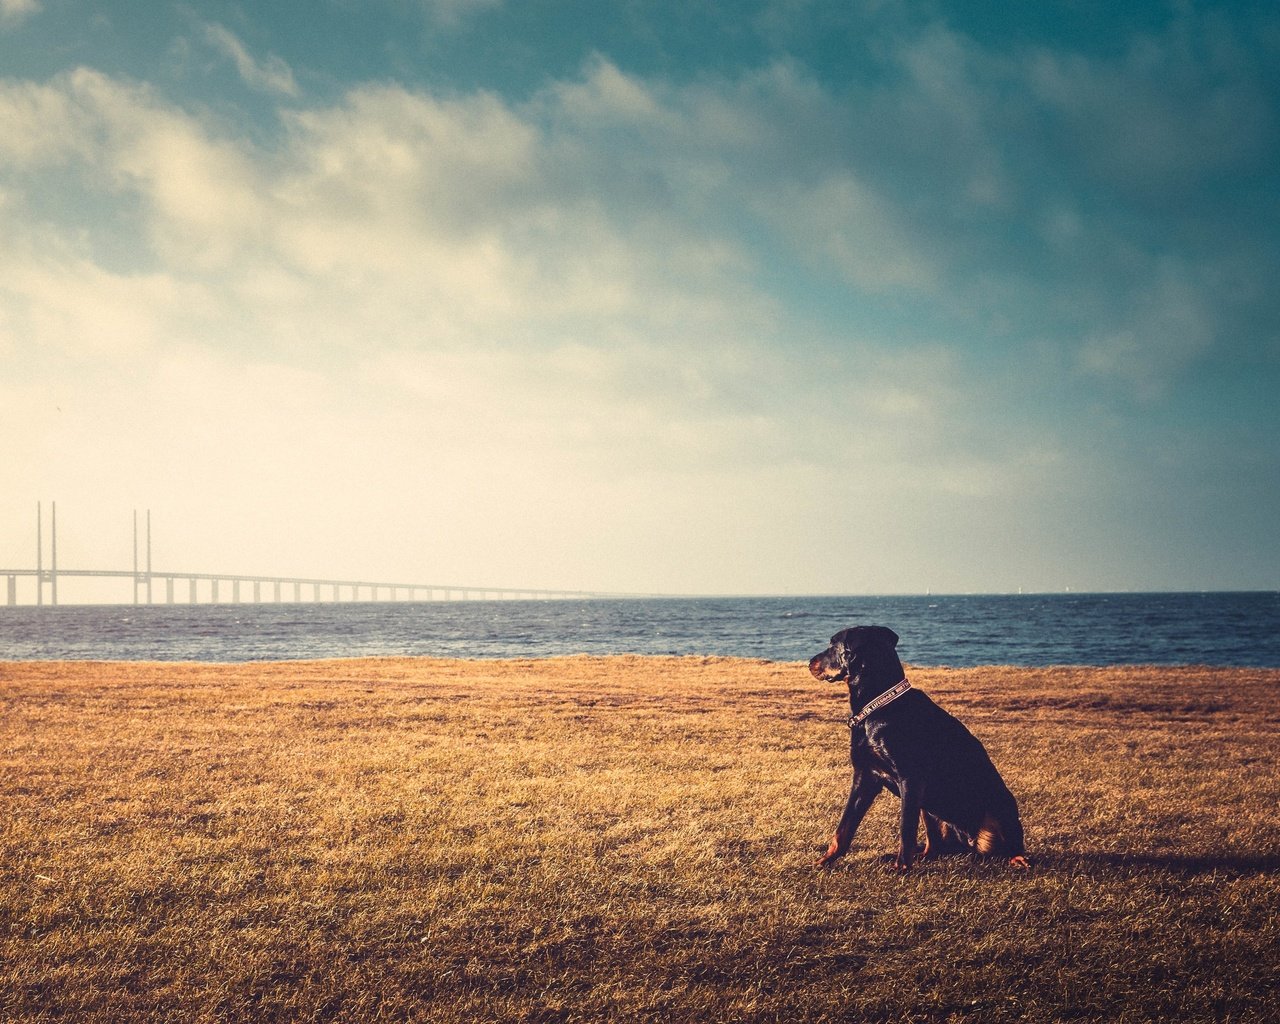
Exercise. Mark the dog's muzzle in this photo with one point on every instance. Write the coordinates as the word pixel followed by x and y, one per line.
pixel 821 668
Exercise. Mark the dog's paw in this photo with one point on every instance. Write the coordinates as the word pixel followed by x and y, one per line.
pixel 1020 862
pixel 834 852
pixel 828 859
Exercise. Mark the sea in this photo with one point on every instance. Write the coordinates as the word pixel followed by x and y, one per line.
pixel 1219 629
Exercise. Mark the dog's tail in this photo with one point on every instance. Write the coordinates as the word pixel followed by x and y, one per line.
pixel 990 837
pixel 1001 835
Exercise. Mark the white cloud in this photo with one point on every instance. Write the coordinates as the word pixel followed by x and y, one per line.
pixel 397 219
pixel 71 307
pixel 605 96
pixel 201 193
pixel 1165 329
pixel 1159 121
pixel 272 75
pixel 450 13
pixel 13 11
pixel 40 125
pixel 843 222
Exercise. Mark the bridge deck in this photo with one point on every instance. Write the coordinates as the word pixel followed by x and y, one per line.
pixel 320 586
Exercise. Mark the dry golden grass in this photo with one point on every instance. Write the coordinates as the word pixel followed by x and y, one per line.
pixel 617 838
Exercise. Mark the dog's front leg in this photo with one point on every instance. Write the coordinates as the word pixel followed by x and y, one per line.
pixel 912 793
pixel 862 793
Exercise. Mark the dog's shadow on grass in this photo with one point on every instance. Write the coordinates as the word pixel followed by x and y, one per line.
pixel 1189 865
pixel 1112 865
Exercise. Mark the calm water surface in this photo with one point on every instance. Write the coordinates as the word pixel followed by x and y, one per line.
pixel 1073 629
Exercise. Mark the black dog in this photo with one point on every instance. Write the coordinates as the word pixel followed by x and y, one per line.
pixel 910 746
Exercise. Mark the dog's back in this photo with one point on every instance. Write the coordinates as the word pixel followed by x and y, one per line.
pixel 961 784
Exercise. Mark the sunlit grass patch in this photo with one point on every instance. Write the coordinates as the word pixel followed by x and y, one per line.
pixel 612 838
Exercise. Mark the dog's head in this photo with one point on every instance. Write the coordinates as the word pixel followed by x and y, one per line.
pixel 857 653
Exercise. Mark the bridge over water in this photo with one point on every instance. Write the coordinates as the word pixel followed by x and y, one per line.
pixel 235 588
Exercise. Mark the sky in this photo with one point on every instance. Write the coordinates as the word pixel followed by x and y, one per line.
pixel 764 297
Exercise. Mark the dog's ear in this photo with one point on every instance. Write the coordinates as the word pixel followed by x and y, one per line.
pixel 883 634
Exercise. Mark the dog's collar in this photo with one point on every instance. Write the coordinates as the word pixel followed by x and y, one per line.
pixel 889 695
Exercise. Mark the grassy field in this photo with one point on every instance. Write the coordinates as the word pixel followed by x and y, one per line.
pixel 618 839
